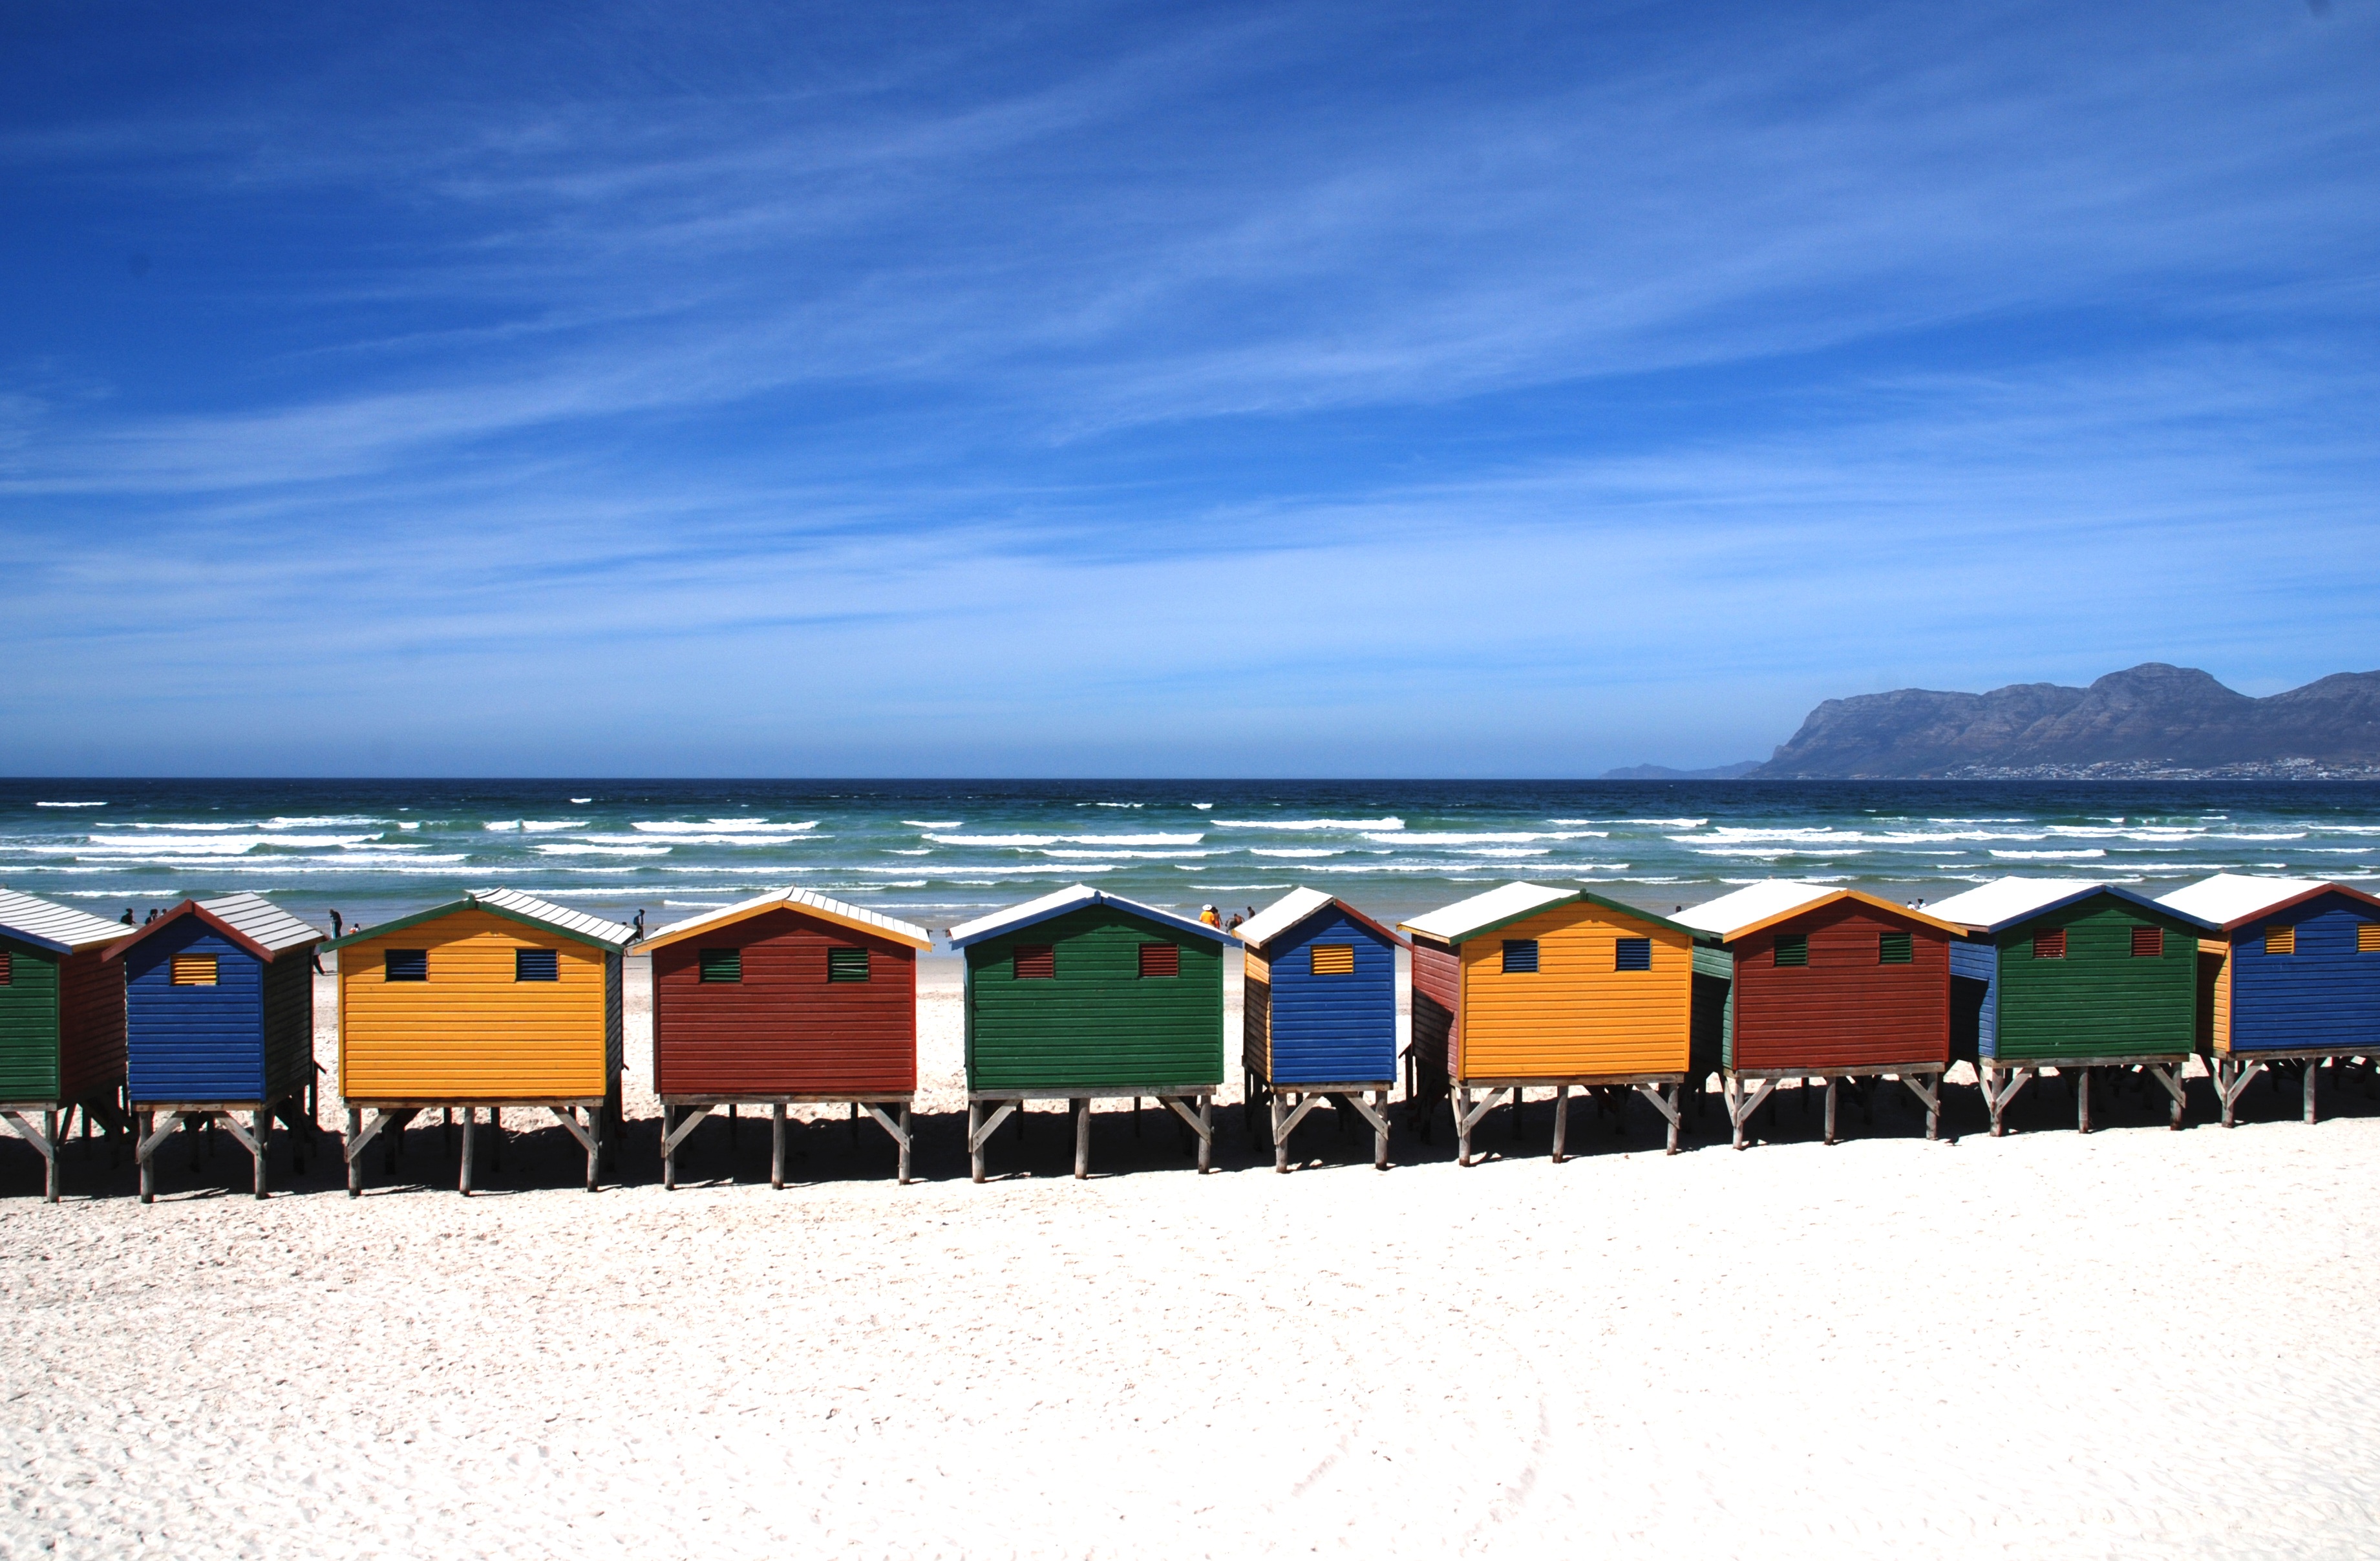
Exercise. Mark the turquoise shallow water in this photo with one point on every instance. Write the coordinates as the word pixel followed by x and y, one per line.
pixel 941 852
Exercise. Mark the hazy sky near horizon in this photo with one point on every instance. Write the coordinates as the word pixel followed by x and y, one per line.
pixel 1276 389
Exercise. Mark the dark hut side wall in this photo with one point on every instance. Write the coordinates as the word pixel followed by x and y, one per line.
pixel 28 1024
pixel 193 1043
pixel 90 1045
pixel 1098 1024
pixel 1436 1009
pixel 2325 994
pixel 1844 1008
pixel 2100 999
pixel 1255 1015
pixel 289 1022
pixel 784 1029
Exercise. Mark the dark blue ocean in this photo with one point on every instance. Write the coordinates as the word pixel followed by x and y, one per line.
pixel 941 852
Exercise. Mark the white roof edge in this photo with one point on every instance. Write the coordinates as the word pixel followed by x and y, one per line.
pixel 792 897
pixel 1282 914
pixel 560 917
pixel 37 920
pixel 2007 899
pixel 2226 897
pixel 1752 903
pixel 1464 917
pixel 1066 898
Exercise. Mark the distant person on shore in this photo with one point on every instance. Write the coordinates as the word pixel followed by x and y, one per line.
pixel 1233 925
pixel 1211 917
pixel 128 918
pixel 335 925
pixel 640 923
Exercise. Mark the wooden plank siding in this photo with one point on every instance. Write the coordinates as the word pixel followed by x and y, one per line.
pixel 1255 1015
pixel 471 1031
pixel 29 1013
pixel 1576 1013
pixel 2327 994
pixel 1097 1023
pixel 195 1043
pixel 2215 993
pixel 90 1023
pixel 1328 1029
pixel 1436 1009
pixel 2100 999
pixel 1845 1009
pixel 785 1028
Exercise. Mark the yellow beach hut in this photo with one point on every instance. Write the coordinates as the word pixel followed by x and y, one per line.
pixel 1530 987
pixel 497 999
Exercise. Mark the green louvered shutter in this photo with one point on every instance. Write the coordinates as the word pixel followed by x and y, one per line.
pixel 846 964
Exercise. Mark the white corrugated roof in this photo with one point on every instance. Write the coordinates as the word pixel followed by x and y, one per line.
pixel 1466 917
pixel 38 921
pixel 2006 899
pixel 1065 899
pixel 260 921
pixel 805 899
pixel 2229 897
pixel 1282 914
pixel 1751 904
pixel 560 917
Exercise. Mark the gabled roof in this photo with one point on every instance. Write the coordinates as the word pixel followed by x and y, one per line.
pixel 1483 913
pixel 1748 910
pixel 252 921
pixel 2229 900
pixel 1063 900
pixel 805 900
pixel 513 905
pixel 1993 907
pixel 60 929
pixel 1286 914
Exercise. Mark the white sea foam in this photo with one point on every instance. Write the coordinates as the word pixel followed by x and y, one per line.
pixel 192 845
pixel 411 825
pixel 719 826
pixel 2049 855
pixel 1301 854
pixel 1119 804
pixel 1432 837
pixel 1079 855
pixel 933 823
pixel 1506 850
pixel 326 821
pixel 1066 839
pixel 1309 823
pixel 914 851
pixel 1038 869
pixel 69 804
pixel 582 801
pixel 604 850
pixel 747 841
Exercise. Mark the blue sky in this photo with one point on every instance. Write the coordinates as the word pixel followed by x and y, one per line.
pixel 1140 389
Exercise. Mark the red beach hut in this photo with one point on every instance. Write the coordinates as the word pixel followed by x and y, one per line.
pixel 790 998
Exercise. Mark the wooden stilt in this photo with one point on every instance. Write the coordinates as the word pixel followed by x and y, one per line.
pixel 1205 1133
pixel 143 1130
pixel 1831 1109
pixel 355 1143
pixel 2314 1070
pixel 777 1146
pixel 975 1140
pixel 470 1145
pixel 2082 1100
pixel 1081 1139
pixel 260 1123
pixel 907 1138
pixel 49 1147
pixel 1561 1120
pixel 1280 1138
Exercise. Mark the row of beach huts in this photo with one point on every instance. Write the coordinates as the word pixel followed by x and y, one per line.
pixel 501 1000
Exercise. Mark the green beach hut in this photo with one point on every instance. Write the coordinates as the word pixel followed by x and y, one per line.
pixel 61 1024
pixel 1082 996
pixel 2068 975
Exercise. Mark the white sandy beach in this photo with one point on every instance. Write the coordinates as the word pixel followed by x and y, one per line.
pixel 2139 1342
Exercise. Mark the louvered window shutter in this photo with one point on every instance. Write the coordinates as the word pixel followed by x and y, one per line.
pixel 726 965
pixel 1333 958
pixel 1895 949
pixel 405 964
pixel 1036 962
pixel 2148 942
pixel 194 970
pixel 1792 948
pixel 536 965
pixel 846 964
pixel 2367 938
pixel 2050 945
pixel 1520 956
pixel 2280 940
pixel 1159 959
pixel 8 968
pixel 1633 953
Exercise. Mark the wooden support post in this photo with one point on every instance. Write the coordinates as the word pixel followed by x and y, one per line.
pixel 1205 1133
pixel 975 1140
pixel 446 1127
pixel 594 1147
pixel 1380 1129
pixel 907 1138
pixel 2313 1071
pixel 854 1120
pixel 669 1150
pixel 1463 1126
pixel 2082 1100
pixel 49 1147
pixel 777 1144
pixel 1280 1138
pixel 143 1134
pixel 1517 1093
pixel 470 1144
pixel 349 1151
pixel 260 1123
pixel 1561 1120
pixel 496 1139
pixel 1082 1139
pixel 1831 1083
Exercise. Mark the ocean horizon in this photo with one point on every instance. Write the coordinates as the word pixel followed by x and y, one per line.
pixel 941 852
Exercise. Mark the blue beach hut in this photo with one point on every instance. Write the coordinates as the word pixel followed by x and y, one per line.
pixel 2289 974
pixel 1318 1015
pixel 219 1020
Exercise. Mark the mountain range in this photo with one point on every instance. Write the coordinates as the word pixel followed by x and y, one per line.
pixel 2152 720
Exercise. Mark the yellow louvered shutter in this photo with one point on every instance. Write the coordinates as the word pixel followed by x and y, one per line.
pixel 194 970
pixel 2280 940
pixel 2367 938
pixel 1334 958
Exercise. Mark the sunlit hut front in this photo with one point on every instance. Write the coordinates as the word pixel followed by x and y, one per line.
pixel 497 999
pixel 61 1024
pixel 1318 1015
pixel 1083 996
pixel 1807 981
pixel 790 998
pixel 2288 978
pixel 2072 976
pixel 1530 987
pixel 219 1022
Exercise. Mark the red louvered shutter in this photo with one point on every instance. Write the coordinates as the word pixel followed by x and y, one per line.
pixel 1036 962
pixel 1159 959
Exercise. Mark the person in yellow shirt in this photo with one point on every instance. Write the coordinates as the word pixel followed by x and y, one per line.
pixel 1211 917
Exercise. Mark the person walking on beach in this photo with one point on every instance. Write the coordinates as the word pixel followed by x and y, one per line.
pixel 1208 915
pixel 335 923
pixel 127 916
